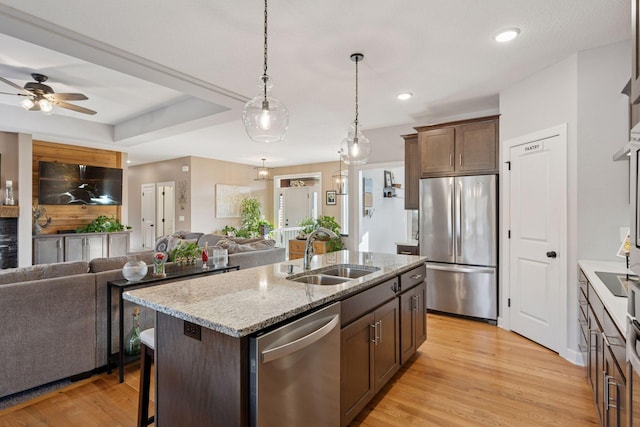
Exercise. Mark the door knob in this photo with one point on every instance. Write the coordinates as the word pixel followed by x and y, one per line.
pixel 552 254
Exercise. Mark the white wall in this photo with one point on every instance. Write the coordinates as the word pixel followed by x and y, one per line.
pixel 388 224
pixel 603 123
pixel 581 91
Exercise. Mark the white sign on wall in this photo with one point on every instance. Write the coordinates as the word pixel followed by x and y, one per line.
pixel 228 200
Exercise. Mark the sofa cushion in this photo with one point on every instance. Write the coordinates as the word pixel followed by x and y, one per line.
pixel 50 271
pixel 20 274
pixel 209 239
pixel 98 265
pixel 254 245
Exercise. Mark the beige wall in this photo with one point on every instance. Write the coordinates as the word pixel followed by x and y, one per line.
pixel 205 174
pixel 9 163
pixel 326 169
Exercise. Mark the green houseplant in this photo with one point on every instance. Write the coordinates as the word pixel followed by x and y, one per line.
pixel 185 253
pixel 310 224
pixel 103 224
pixel 251 220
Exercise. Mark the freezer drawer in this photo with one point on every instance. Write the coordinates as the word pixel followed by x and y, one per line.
pixel 462 289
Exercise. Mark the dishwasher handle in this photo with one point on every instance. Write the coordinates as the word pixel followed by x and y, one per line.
pixel 293 346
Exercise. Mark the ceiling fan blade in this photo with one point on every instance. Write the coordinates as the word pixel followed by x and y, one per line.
pixel 67 97
pixel 12 84
pixel 11 93
pixel 73 107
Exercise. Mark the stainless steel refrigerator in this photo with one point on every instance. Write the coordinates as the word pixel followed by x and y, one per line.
pixel 458 234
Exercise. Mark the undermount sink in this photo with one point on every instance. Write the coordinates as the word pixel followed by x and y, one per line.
pixel 318 279
pixel 333 275
pixel 350 272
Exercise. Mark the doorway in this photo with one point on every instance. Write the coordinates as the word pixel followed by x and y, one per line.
pixel 537 246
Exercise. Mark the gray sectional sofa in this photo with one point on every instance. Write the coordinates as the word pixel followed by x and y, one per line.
pixel 53 317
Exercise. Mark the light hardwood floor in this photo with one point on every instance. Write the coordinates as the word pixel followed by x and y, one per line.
pixel 466 374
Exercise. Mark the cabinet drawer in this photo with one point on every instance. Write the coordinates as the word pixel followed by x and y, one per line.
pixel 616 341
pixel 413 277
pixel 354 307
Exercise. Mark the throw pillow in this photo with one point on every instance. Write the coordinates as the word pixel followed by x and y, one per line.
pixel 162 244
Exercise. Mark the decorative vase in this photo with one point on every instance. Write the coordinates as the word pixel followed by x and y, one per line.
pixel 134 270
pixel 133 341
pixel 159 260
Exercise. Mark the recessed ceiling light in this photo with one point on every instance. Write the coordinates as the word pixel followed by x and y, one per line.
pixel 404 96
pixel 506 35
pixel 128 161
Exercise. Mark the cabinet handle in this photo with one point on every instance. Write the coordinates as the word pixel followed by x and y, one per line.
pixel 460 159
pixel 592 346
pixel 379 322
pixel 610 381
pixel 450 159
pixel 375 333
pixel 416 277
pixel 605 382
pixel 405 253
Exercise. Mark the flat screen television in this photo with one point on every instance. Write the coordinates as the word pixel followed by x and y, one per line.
pixel 67 184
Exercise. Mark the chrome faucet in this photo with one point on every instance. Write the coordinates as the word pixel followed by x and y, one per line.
pixel 308 247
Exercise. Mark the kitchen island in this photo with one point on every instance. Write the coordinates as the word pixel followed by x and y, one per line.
pixel 204 325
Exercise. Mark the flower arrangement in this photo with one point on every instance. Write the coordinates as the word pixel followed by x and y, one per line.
pixel 186 253
pixel 159 260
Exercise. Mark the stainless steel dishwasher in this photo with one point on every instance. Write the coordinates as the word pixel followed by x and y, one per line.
pixel 295 372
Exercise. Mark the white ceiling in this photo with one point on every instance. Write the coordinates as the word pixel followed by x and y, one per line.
pixel 169 79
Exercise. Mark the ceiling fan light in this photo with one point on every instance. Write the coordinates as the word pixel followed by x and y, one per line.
pixel 27 103
pixel 506 35
pixel 45 106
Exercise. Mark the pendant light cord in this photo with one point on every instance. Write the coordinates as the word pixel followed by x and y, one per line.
pixel 356 121
pixel 265 77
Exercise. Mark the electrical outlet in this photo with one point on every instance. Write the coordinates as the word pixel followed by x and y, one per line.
pixel 192 330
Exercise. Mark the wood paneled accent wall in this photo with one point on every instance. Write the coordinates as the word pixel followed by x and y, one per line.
pixel 73 216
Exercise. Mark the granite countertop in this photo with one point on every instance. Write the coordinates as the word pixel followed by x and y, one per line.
pixel 246 301
pixel 616 306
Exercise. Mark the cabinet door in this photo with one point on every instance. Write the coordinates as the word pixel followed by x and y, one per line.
pixel 476 147
pixel 74 248
pixel 436 151
pixel 387 348
pixel 635 51
pixel 411 172
pixel 95 247
pixel 356 363
pixel 593 361
pixel 614 390
pixel 47 250
pixel 118 244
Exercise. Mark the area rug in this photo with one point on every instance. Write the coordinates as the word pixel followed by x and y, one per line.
pixel 17 398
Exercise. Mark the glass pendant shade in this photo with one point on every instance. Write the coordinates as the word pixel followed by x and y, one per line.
pixel 45 106
pixel 265 119
pixel 355 148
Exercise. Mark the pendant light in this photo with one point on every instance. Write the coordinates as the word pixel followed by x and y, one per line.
pixel 263 173
pixel 265 118
pixel 340 178
pixel 355 147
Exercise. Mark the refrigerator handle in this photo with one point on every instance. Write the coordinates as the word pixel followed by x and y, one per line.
pixel 459 224
pixel 452 220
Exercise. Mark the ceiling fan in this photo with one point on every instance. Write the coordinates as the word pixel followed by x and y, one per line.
pixel 39 96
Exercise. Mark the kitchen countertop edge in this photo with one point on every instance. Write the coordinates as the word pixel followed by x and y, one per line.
pixel 616 306
pixel 180 299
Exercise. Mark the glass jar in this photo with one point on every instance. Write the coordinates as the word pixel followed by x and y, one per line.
pixel 134 270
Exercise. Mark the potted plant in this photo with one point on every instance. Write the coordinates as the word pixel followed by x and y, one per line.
pixel 103 224
pixel 186 253
pixel 310 224
pixel 252 220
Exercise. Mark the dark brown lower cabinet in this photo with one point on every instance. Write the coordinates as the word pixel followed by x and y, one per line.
pixel 369 357
pixel 413 321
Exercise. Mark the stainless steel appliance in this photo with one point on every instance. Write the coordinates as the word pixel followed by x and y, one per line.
pixel 633 355
pixel 295 372
pixel 458 234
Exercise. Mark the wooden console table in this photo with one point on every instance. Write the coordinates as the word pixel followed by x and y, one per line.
pixel 149 280
pixel 296 248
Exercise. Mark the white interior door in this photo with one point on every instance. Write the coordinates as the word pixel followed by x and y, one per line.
pixel 165 210
pixel 537 259
pixel 148 197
